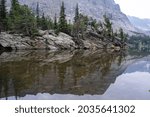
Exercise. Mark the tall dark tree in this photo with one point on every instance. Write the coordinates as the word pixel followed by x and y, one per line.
pixel 44 23
pixel 80 26
pixel 62 20
pixel 108 26
pixel 83 23
pixel 14 7
pixel 76 18
pixel 27 22
pixel 70 28
pixel 50 24
pixel 38 15
pixel 76 22
pixel 93 23
pixel 122 35
pixel 3 15
pixel 21 19
pixel 55 22
pixel 14 15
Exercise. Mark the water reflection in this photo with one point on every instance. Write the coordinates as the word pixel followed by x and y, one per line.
pixel 62 75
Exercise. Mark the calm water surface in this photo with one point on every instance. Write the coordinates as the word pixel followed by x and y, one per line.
pixel 99 74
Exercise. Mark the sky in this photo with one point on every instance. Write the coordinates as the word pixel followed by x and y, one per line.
pixel 138 8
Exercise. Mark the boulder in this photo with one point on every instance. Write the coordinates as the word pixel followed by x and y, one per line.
pixel 46 32
pixel 42 32
pixel 65 41
pixel 89 45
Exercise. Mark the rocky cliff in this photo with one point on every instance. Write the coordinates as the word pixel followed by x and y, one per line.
pixel 93 8
pixel 143 24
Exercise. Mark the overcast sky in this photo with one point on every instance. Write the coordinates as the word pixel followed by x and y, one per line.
pixel 138 8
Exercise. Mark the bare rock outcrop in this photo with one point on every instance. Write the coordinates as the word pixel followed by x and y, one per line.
pixel 44 41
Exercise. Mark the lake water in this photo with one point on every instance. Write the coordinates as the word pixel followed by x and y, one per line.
pixel 89 75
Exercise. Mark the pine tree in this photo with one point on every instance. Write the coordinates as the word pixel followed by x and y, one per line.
pixel 21 19
pixel 80 26
pixel 62 20
pixel 50 24
pixel 3 15
pixel 108 26
pixel 14 15
pixel 26 22
pixel 55 23
pixel 14 7
pixel 44 25
pixel 70 28
pixel 83 22
pixel 37 15
pixel 76 18
pixel 76 25
pixel 122 35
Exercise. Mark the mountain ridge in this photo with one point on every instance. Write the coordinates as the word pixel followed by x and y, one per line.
pixel 140 23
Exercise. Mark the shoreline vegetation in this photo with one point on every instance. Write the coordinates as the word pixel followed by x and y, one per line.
pixel 22 29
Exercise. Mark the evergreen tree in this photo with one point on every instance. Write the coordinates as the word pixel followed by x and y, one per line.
pixel 27 21
pixel 76 22
pixel 55 23
pixel 62 20
pixel 70 28
pixel 108 26
pixel 15 7
pixel 44 25
pixel 50 24
pixel 14 15
pixel 21 19
pixel 76 18
pixel 93 23
pixel 37 15
pixel 80 24
pixel 83 23
pixel 3 15
pixel 122 35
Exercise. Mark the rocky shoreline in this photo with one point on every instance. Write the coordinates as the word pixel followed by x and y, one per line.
pixel 48 40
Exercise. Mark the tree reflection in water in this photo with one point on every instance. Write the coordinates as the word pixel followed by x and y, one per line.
pixel 65 72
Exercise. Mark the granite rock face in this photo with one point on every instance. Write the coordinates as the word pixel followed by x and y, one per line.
pixel 143 24
pixel 45 41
